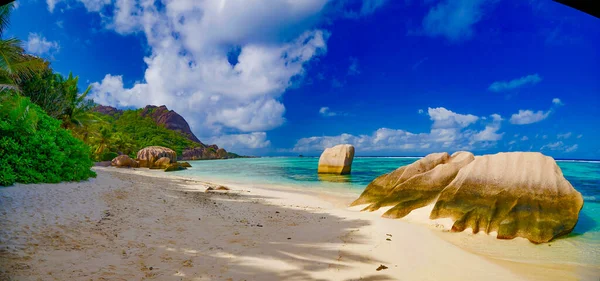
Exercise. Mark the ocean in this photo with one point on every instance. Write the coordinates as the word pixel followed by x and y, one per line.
pixel 302 173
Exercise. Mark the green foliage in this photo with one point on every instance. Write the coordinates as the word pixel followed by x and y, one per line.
pixel 33 147
pixel 60 98
pixel 129 132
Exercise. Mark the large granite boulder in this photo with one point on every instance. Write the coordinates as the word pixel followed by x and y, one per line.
pixel 413 186
pixel 336 160
pixel 515 194
pixel 161 163
pixel 147 156
pixel 124 161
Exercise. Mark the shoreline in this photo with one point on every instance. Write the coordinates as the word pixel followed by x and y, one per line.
pixel 327 240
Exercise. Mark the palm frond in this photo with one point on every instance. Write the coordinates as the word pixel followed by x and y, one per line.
pixel 5 11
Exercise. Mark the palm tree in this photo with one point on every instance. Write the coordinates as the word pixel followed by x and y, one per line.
pixel 15 65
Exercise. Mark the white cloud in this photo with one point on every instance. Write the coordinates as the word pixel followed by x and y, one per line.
pixel 512 142
pixel 544 137
pixel 242 141
pixel 189 58
pixel 557 101
pixel 353 68
pixel 443 118
pixel 564 136
pixel 532 79
pixel 449 131
pixel 421 111
pixel 454 19
pixel 38 45
pixel 90 5
pixel 524 138
pixel 579 136
pixel 490 133
pixel 346 8
pixel 529 117
pixel 560 146
pixel 189 61
pixel 326 112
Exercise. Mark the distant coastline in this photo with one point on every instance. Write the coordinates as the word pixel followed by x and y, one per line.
pixel 418 157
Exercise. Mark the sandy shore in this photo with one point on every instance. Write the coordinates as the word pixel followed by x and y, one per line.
pixel 140 225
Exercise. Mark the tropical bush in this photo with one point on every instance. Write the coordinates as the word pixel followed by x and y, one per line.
pixel 34 148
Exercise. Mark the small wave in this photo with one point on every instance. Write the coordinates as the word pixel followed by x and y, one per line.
pixel 580 161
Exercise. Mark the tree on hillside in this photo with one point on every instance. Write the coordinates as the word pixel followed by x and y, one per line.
pixel 15 65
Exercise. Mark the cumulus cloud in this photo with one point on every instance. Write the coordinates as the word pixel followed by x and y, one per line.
pixel 449 131
pixel 560 146
pixel 193 71
pixel 500 86
pixel 242 141
pixel 189 61
pixel 490 133
pixel 529 117
pixel 454 19
pixel 38 45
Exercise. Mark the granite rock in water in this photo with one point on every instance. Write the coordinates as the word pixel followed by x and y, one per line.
pixel 413 186
pixel 147 156
pixel 336 160
pixel 161 163
pixel 516 194
pixel 175 167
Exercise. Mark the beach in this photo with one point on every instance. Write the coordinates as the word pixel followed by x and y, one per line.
pixel 133 224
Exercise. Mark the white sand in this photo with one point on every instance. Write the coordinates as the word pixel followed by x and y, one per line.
pixel 140 225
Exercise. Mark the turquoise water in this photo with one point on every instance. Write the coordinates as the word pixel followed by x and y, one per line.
pixel 302 173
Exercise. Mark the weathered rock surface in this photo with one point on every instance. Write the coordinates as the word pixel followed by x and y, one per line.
pixel 174 167
pixel 107 110
pixel 336 160
pixel 520 194
pixel 185 164
pixel 161 163
pixel 413 186
pixel 206 152
pixel 124 161
pixel 147 156
pixel 170 120
pixel 514 194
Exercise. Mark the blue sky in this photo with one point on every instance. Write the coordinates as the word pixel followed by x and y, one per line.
pixel 292 77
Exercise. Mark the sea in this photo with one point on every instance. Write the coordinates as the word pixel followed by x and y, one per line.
pixel 582 246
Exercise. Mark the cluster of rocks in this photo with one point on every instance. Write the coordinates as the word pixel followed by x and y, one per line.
pixel 153 157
